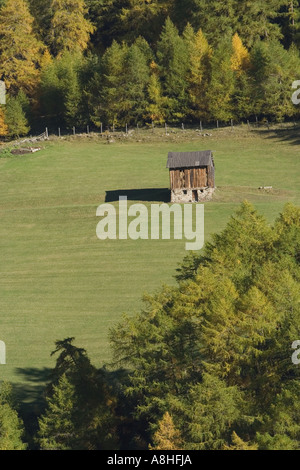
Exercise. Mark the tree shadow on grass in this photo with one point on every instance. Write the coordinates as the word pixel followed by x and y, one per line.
pixel 291 135
pixel 29 395
pixel 30 392
pixel 142 195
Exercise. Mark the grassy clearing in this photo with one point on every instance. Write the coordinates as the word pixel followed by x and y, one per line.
pixel 58 280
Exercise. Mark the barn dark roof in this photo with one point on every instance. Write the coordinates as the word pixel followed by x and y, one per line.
pixel 190 159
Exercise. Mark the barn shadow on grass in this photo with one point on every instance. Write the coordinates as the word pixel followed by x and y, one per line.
pixel 141 195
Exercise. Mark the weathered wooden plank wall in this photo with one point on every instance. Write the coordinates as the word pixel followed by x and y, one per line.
pixel 192 178
pixel 211 177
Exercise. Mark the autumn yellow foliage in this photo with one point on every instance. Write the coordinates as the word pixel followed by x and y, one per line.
pixel 239 444
pixel 240 60
pixel 167 437
pixel 3 126
pixel 20 50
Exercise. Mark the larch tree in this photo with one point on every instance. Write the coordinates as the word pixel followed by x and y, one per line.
pixel 136 71
pixel 3 125
pixel 56 426
pixel 216 19
pixel 61 91
pixel 157 103
pixel 256 19
pixel 239 444
pixel 181 12
pixel 113 79
pixel 241 64
pixel 167 437
pixel 240 60
pixel 20 51
pixel 289 23
pixel 199 71
pixel 11 426
pixel 79 404
pixel 144 18
pixel 105 16
pixel 216 350
pixel 273 71
pixel 171 56
pixel 125 80
pixel 46 59
pixel 70 29
pixel 15 116
pixel 221 87
pixel 42 13
pixel 212 410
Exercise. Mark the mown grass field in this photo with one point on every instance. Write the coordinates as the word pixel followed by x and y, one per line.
pixel 58 280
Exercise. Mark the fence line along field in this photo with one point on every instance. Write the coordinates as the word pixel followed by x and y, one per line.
pixel 58 280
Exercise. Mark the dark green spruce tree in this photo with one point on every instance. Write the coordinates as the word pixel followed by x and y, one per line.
pixel 79 412
pixel 173 66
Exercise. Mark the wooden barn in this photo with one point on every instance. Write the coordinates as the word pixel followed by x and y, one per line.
pixel 192 176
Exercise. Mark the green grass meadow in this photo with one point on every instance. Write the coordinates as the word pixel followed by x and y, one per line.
pixel 58 280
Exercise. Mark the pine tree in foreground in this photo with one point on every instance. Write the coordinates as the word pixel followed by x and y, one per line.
pixel 79 412
pixel 11 426
pixel 56 427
